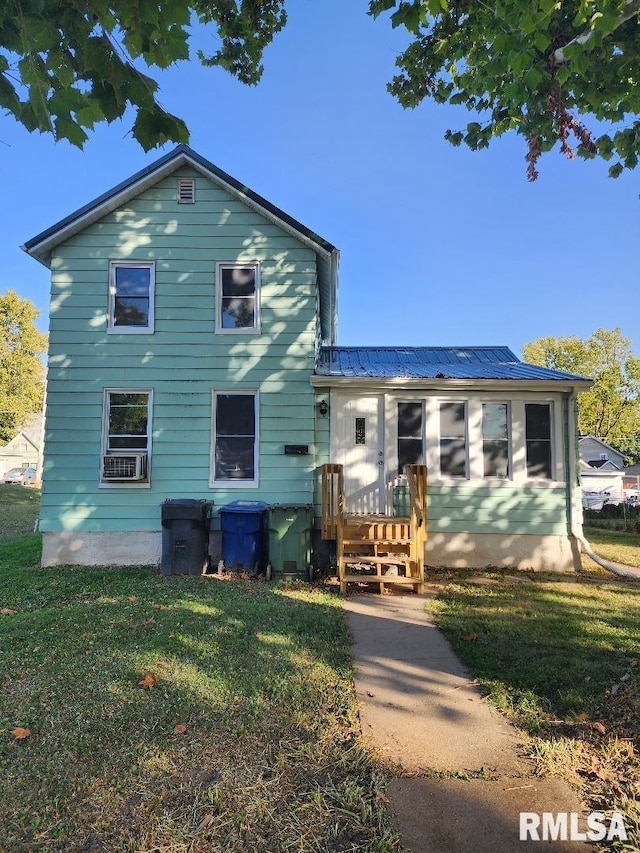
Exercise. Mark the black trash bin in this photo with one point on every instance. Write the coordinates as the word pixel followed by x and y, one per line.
pixel 243 525
pixel 185 536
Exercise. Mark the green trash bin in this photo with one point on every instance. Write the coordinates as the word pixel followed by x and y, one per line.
pixel 290 534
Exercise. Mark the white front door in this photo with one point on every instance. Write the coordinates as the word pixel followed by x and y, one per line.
pixel 360 431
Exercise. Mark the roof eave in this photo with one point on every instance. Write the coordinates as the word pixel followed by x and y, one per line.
pixel 557 386
pixel 41 246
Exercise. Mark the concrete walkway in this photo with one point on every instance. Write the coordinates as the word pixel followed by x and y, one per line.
pixel 421 712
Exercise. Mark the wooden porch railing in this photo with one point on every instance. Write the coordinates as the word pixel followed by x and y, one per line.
pixel 374 544
pixel 332 500
pixel 417 482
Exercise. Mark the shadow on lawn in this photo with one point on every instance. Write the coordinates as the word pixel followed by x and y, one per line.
pixel 562 646
pixel 250 711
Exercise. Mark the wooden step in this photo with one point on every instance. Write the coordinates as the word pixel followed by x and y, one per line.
pixel 403 541
pixel 369 558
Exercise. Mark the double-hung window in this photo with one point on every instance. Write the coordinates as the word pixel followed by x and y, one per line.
pixel 131 295
pixel 237 298
pixel 235 438
pixel 410 432
pixel 453 439
pixel 126 435
pixel 538 439
pixel 495 439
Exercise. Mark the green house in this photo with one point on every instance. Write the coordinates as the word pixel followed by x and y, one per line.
pixel 193 355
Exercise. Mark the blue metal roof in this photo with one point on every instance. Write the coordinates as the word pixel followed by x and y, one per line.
pixel 432 363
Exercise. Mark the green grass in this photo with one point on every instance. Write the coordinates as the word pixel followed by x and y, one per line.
pixel 562 661
pixel 258 675
pixel 19 507
pixel 617 546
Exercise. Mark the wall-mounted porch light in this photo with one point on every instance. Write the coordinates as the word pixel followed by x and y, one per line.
pixel 323 408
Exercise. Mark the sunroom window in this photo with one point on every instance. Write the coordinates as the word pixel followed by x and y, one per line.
pixel 453 439
pixel 131 295
pixel 495 439
pixel 538 439
pixel 410 431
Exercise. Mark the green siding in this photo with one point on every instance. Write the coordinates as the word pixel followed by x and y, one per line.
pixel 481 509
pixel 183 361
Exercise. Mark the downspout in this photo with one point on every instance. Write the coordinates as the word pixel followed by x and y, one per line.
pixel 575 524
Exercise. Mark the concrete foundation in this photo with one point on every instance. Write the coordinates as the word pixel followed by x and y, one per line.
pixel 517 551
pixel 113 548
pixel 455 550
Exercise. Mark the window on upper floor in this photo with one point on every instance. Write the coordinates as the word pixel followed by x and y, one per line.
pixel 235 438
pixel 131 297
pixel 495 439
pixel 453 439
pixel 237 298
pixel 538 439
pixel 126 436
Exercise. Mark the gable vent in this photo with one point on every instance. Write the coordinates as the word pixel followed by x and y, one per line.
pixel 186 191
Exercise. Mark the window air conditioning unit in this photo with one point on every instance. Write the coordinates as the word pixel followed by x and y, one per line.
pixel 126 467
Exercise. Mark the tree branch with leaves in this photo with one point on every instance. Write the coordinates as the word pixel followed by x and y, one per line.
pixel 556 72
pixel 610 409
pixel 21 370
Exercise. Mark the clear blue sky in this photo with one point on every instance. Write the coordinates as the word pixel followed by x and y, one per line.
pixel 439 245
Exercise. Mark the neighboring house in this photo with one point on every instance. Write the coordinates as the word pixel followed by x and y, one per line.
pixel 23 451
pixel 631 480
pixel 192 355
pixel 600 471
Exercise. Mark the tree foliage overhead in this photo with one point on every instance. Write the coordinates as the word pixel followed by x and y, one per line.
pixel 545 69
pixel 610 410
pixel 550 70
pixel 66 65
pixel 21 370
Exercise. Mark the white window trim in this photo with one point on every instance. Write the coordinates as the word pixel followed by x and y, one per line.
pixel 235 484
pixel 112 329
pixel 257 319
pixel 104 440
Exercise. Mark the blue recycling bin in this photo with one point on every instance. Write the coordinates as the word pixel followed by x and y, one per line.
pixel 243 526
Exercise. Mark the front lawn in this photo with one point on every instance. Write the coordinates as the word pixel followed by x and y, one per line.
pixel 617 546
pixel 562 661
pixel 139 712
pixel 19 508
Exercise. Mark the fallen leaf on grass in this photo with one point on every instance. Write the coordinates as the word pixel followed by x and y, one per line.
pixel 7 611
pixel 180 729
pixel 161 606
pixel 149 621
pixel 150 680
pixel 20 734
pixel 599 727
pixel 469 637
pixel 206 821
pixel 132 598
